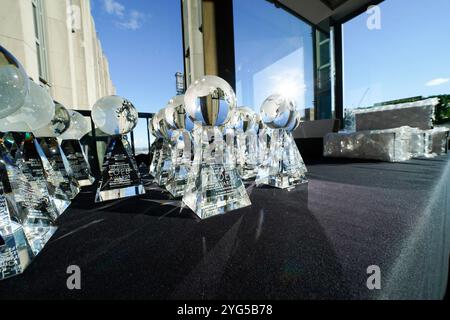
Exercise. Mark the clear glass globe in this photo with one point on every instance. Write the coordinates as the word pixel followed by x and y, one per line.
pixel 58 125
pixel 210 101
pixel 14 86
pixel 37 111
pixel 276 111
pixel 294 122
pixel 161 126
pixel 79 127
pixel 115 115
pixel 176 116
pixel 244 119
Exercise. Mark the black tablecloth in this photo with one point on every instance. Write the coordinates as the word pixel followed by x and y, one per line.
pixel 313 242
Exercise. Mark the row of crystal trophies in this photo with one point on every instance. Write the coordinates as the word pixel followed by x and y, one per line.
pixel 206 148
pixel 42 165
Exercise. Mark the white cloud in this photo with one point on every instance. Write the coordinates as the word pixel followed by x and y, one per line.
pixel 437 82
pixel 133 21
pixel 127 19
pixel 114 7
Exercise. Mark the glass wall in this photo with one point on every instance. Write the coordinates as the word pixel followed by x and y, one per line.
pixel 397 51
pixel 273 54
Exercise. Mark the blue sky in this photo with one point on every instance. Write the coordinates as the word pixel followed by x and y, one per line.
pixel 142 40
pixel 409 56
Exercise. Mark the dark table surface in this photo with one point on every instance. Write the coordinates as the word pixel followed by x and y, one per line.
pixel 316 241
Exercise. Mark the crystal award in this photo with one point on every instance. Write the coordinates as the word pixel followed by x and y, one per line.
pixel 214 186
pixel 164 160
pixel 59 172
pixel 180 144
pixel 28 200
pixel 71 147
pixel 15 252
pixel 282 165
pixel 120 176
pixel 155 151
pixel 78 162
pixel 56 166
pixel 245 124
pixel 30 158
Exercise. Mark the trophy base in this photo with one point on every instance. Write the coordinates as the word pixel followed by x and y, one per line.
pixel 284 167
pixel 78 162
pixel 248 172
pixel 15 253
pixel 178 180
pixel 60 205
pixel 114 194
pixel 120 175
pixel 215 190
pixel 86 182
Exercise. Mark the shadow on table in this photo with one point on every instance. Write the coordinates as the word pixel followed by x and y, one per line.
pixel 275 249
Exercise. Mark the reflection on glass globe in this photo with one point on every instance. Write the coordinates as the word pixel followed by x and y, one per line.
pixel 13 84
pixel 210 101
pixel 115 115
pixel 37 111
pixel 277 111
pixel 79 127
pixel 161 126
pixel 175 114
pixel 244 119
pixel 294 123
pixel 58 125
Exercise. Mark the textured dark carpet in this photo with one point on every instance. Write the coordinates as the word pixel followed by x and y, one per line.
pixel 315 242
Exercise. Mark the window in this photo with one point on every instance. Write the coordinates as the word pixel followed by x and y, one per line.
pixel 273 54
pixel 38 17
pixel 404 55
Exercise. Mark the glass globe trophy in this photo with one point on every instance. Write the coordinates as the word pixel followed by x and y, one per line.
pixel 180 144
pixel 156 148
pixel 282 166
pixel 14 84
pixel 71 146
pixel 214 186
pixel 164 163
pixel 31 208
pixel 245 123
pixel 57 168
pixel 24 106
pixel 120 178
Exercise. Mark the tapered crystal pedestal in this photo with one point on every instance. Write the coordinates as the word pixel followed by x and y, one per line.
pixel 27 200
pixel 15 252
pixel 120 175
pixel 78 162
pixel 282 166
pixel 214 187
pixel 164 165
pixel 31 159
pixel 181 147
pixel 60 174
pixel 155 151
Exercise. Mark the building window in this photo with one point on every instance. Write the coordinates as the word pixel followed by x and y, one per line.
pixel 273 54
pixel 38 17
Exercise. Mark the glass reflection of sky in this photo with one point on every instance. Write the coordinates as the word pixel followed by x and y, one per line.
pixel 274 54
